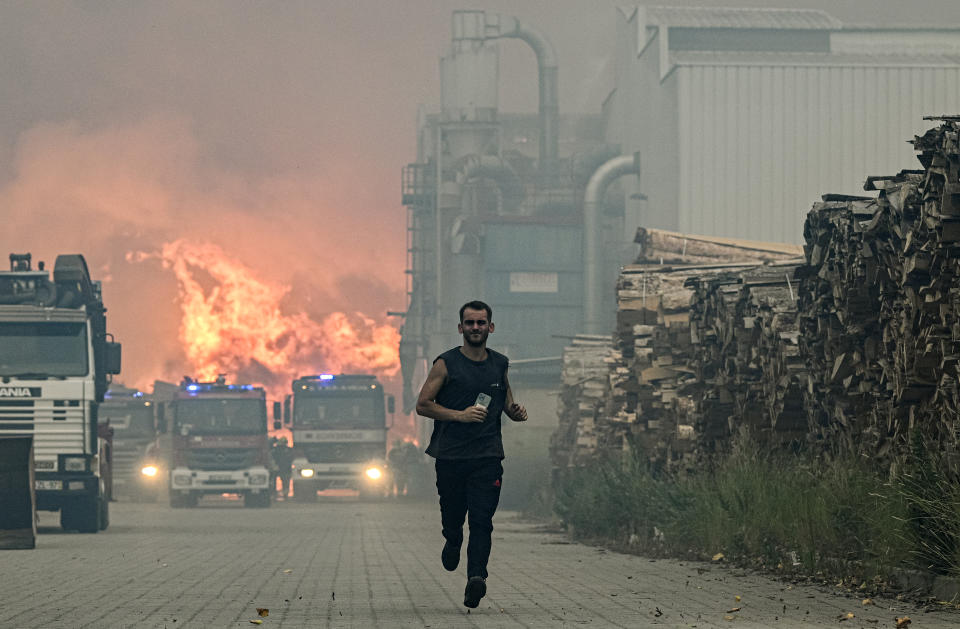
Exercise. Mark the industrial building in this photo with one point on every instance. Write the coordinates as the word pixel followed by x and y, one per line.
pixel 720 122
pixel 744 117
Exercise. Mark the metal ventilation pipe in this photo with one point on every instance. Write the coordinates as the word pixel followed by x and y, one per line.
pixel 549 102
pixel 592 272
pixel 493 167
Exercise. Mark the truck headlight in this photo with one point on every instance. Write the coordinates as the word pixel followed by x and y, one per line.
pixel 149 470
pixel 306 473
pixel 374 473
pixel 75 464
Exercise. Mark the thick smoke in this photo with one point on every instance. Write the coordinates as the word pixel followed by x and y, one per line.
pixel 275 132
pixel 113 192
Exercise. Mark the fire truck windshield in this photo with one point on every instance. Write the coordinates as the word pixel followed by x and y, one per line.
pixel 336 412
pixel 43 349
pixel 132 419
pixel 211 417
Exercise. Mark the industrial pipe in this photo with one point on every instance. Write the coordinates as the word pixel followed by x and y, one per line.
pixel 592 274
pixel 549 102
pixel 493 167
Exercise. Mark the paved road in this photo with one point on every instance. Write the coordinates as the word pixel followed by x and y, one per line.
pixel 344 563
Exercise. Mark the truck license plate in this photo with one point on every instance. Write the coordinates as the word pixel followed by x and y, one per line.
pixel 220 477
pixel 48 484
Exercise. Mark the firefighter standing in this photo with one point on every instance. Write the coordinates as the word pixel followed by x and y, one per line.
pixel 283 458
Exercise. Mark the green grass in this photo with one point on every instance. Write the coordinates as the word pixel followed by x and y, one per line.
pixel 781 511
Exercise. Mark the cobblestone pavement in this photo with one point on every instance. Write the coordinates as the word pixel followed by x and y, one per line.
pixel 344 563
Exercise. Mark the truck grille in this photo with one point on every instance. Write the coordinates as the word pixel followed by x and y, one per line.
pixel 57 426
pixel 16 415
pixel 220 458
pixel 343 452
pixel 127 459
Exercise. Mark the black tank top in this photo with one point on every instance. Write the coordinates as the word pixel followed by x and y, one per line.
pixel 466 379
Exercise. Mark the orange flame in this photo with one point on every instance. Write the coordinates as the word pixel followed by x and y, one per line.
pixel 233 323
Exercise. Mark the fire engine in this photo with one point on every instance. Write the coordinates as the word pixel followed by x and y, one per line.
pixel 56 359
pixel 339 435
pixel 218 440
pixel 132 416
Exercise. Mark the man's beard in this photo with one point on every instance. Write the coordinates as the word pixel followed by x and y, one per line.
pixel 467 338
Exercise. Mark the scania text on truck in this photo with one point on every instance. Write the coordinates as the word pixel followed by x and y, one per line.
pixel 339 435
pixel 131 414
pixel 219 443
pixel 56 359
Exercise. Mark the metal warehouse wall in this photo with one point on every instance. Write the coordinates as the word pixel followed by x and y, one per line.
pixel 758 144
pixel 533 278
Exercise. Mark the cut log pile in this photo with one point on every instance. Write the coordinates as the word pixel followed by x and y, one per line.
pixel 649 399
pixel 584 373
pixel 852 349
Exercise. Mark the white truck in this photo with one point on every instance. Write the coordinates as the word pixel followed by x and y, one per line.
pixel 339 435
pixel 56 359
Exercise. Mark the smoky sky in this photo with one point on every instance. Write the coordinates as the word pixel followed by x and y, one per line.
pixel 274 130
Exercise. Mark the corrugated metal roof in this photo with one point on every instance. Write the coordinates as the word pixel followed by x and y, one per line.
pixel 812 59
pixel 720 17
pixel 900 27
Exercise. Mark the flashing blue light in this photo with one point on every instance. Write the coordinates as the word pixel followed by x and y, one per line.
pixel 138 394
pixel 326 376
pixel 247 387
pixel 192 387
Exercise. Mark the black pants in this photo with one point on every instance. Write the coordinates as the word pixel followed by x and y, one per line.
pixel 469 488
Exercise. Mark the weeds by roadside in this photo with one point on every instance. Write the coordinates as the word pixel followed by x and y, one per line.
pixel 785 512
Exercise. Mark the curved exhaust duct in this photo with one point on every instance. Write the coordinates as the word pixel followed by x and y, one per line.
pixel 549 101
pixel 495 168
pixel 592 269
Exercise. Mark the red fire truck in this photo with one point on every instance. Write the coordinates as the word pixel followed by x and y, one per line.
pixel 218 442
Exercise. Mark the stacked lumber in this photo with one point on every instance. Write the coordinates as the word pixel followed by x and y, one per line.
pixel 653 343
pixel 648 397
pixel 714 336
pixel 923 326
pixel 658 246
pixel 584 374
pixel 839 323
pixel 784 371
pixel 854 350
pixel 743 324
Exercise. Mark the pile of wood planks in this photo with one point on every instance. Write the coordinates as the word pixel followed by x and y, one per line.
pixel 584 373
pixel 651 392
pixel 855 348
pixel 881 308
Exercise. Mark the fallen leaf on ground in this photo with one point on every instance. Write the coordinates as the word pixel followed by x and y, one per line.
pixel 718 557
pixel 867 601
pixel 263 611
pixel 737 598
pixel 728 618
pixel 287 571
pixel 734 609
pixel 847 616
pixel 903 622
pixel 256 622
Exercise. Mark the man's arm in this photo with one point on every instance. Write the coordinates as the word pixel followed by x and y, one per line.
pixel 514 411
pixel 427 406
